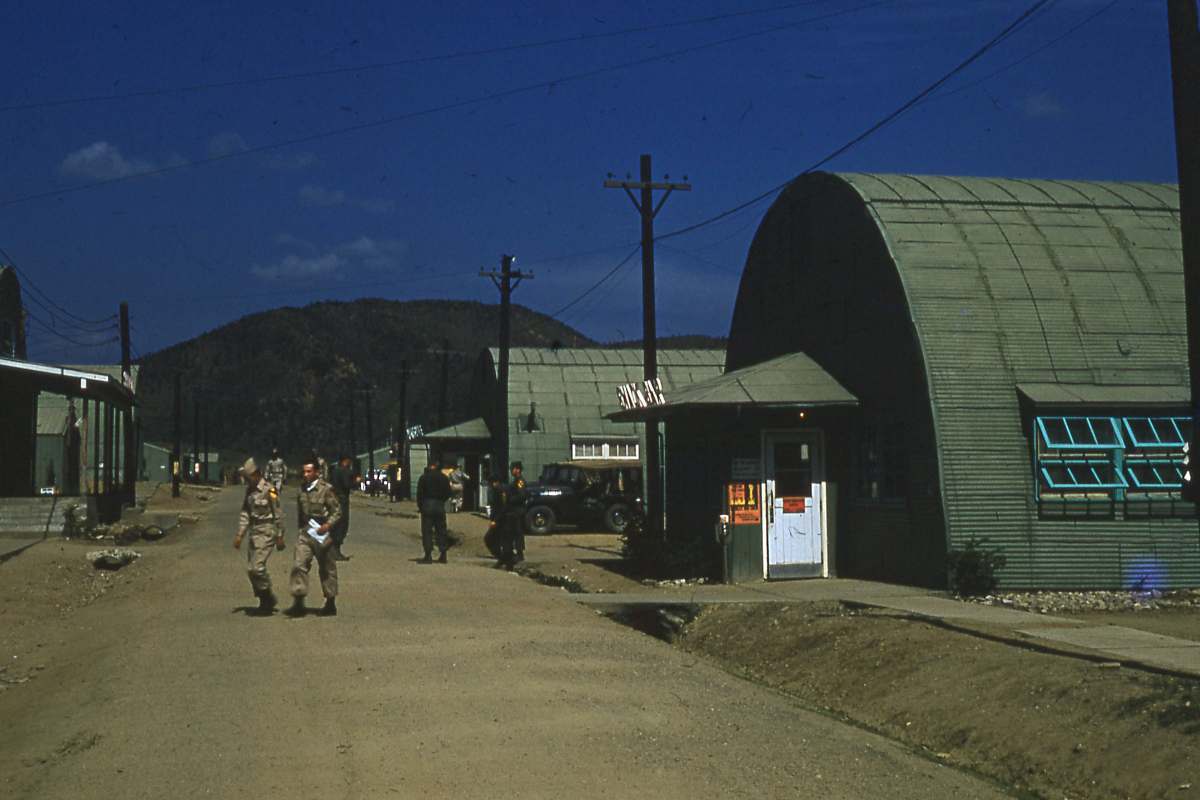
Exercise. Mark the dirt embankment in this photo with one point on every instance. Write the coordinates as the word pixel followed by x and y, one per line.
pixel 1044 724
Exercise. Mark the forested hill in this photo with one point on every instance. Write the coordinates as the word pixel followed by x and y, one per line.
pixel 285 377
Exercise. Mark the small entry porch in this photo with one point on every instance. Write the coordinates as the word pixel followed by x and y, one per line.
pixel 753 459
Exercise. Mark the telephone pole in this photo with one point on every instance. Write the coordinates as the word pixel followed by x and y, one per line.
pixel 177 450
pixel 195 434
pixel 1185 79
pixel 506 281
pixel 647 210
pixel 131 455
pixel 402 437
pixel 353 436
pixel 370 440
pixel 444 388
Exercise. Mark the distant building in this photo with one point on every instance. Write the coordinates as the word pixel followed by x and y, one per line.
pixel 916 362
pixel 558 400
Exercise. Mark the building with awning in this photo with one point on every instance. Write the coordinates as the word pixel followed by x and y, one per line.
pixel 1018 357
pixel 98 453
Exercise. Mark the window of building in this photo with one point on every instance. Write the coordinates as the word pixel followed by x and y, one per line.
pixel 605 449
pixel 882 458
pixel 1091 465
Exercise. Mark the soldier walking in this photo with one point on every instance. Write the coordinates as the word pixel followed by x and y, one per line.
pixel 317 512
pixel 260 516
pixel 276 470
pixel 433 490
pixel 342 483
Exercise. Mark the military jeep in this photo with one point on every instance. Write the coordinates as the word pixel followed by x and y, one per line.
pixel 588 493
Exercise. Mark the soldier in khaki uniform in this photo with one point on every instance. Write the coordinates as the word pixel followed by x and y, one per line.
pixel 276 470
pixel 318 512
pixel 260 516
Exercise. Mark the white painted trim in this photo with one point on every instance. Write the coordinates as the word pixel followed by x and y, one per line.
pixel 819 433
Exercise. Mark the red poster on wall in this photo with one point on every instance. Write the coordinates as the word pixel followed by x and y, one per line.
pixel 747 516
pixel 794 505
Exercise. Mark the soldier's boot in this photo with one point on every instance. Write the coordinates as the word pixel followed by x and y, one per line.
pixel 329 609
pixel 442 557
pixel 427 558
pixel 338 555
pixel 297 608
pixel 267 603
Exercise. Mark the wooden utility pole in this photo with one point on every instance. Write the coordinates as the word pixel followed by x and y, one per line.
pixel 370 440
pixel 506 281
pixel 204 468
pixel 646 208
pixel 1185 79
pixel 402 438
pixel 353 435
pixel 195 476
pixel 177 450
pixel 444 387
pixel 130 443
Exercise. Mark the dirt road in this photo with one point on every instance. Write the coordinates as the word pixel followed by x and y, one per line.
pixel 434 681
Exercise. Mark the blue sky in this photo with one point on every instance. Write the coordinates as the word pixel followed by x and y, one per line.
pixel 438 180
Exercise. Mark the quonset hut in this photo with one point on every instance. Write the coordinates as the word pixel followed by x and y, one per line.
pixel 982 358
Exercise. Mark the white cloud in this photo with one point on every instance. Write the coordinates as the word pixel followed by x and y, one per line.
pixel 311 195
pixel 363 253
pixel 289 162
pixel 102 161
pixel 320 197
pixel 1042 104
pixel 226 144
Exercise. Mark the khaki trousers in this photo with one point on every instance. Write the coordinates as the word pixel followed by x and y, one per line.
pixel 261 547
pixel 308 548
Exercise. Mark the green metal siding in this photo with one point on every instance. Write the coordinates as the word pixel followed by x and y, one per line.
pixel 1004 282
pixel 574 389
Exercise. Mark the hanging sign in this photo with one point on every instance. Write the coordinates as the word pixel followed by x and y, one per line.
pixel 415 432
pixel 642 394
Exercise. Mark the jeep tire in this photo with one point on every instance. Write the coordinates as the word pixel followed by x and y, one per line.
pixel 540 520
pixel 616 517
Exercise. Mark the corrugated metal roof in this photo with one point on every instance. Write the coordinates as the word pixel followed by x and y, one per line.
pixel 1071 290
pixel 792 380
pixel 1108 396
pixel 471 429
pixel 573 390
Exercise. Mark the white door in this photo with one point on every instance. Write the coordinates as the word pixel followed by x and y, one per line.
pixel 793 474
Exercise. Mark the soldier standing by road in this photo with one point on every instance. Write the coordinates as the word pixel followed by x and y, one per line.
pixel 317 512
pixel 260 516
pixel 276 470
pixel 512 539
pixel 433 490
pixel 343 482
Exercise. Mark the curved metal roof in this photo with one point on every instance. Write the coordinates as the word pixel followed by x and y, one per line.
pixel 1045 281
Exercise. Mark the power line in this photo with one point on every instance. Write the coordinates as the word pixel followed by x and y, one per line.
pixel 382 65
pixel 886 120
pixel 598 283
pixel 1045 46
pixel 27 281
pixel 540 85
pixel 50 330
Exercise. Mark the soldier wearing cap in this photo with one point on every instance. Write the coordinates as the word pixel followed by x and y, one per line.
pixel 318 512
pixel 260 516
pixel 512 539
pixel 276 470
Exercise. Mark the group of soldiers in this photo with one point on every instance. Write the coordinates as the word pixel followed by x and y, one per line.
pixel 322 524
